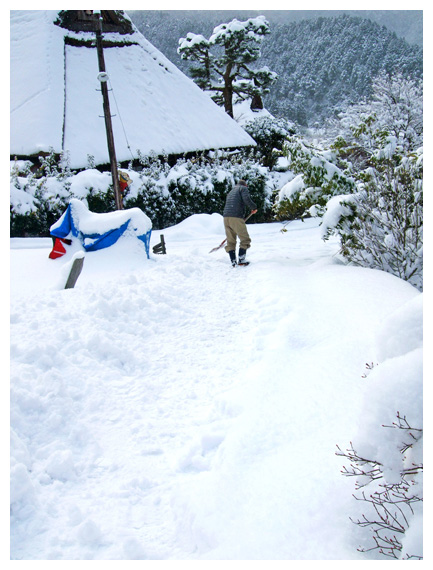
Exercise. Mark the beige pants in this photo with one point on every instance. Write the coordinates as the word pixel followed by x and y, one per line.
pixel 236 228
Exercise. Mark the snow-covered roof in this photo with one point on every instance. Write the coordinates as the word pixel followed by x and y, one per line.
pixel 56 100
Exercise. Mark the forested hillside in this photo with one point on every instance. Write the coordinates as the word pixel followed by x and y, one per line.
pixel 323 64
pixel 326 63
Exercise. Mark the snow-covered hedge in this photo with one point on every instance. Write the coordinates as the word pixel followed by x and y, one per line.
pixel 381 225
pixel 166 194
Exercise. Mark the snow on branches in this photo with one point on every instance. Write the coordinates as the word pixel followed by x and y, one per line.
pixel 392 505
pixel 381 224
pixel 387 460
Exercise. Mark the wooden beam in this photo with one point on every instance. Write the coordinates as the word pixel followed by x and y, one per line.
pixel 76 268
pixel 107 117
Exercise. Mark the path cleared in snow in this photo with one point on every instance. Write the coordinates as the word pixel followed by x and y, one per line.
pixel 176 408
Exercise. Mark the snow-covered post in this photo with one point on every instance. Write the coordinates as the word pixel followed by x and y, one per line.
pixel 107 114
pixel 76 266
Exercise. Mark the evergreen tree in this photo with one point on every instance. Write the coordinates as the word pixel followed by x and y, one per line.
pixel 223 62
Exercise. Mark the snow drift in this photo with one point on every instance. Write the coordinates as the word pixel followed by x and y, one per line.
pixel 182 409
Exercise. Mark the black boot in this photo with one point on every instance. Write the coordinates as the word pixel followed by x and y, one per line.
pixel 242 255
pixel 233 257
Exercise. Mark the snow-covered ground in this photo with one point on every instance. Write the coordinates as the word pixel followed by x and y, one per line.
pixel 176 408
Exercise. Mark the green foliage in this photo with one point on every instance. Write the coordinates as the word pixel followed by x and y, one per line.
pixel 100 202
pixel 190 188
pixel 46 205
pixel 292 208
pixel 384 226
pixel 158 207
pixel 57 165
pixel 38 221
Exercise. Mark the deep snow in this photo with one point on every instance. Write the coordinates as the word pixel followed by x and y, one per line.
pixel 176 408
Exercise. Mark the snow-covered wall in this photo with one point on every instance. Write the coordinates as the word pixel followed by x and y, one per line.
pixel 56 100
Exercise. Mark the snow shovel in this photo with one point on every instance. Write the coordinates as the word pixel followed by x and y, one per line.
pixel 283 229
pixel 223 242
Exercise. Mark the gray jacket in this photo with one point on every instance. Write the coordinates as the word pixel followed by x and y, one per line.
pixel 238 199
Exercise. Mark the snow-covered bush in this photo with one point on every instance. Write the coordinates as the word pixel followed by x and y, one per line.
pixel 270 133
pixel 318 179
pixel 38 197
pixel 386 457
pixel 191 187
pixel 381 224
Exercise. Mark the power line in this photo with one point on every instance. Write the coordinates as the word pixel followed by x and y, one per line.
pixel 120 117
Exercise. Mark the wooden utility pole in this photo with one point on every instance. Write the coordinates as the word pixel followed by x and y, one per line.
pixel 107 114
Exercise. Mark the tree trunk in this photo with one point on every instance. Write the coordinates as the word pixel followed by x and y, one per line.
pixel 228 91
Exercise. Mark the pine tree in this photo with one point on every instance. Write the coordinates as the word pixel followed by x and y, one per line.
pixel 223 62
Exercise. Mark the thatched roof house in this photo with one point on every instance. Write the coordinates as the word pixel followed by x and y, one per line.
pixel 56 100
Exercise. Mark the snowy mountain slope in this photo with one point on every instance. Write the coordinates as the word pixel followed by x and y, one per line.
pixel 176 408
pixel 324 59
pixel 56 100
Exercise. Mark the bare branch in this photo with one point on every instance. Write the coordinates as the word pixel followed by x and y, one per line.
pixel 391 503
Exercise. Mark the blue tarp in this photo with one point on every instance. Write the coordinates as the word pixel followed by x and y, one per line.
pixel 93 241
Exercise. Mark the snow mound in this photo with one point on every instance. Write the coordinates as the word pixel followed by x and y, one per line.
pixel 90 223
pixel 197 226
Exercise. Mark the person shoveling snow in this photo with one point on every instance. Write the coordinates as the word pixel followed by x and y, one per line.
pixel 238 199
